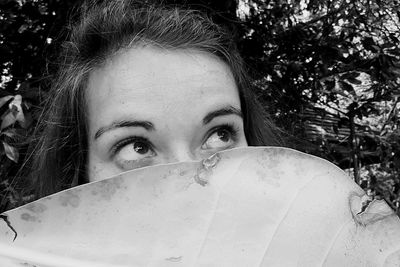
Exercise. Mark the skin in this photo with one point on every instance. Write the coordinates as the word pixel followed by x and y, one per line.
pixel 150 106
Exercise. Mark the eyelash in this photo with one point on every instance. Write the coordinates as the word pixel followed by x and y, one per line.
pixel 232 129
pixel 118 146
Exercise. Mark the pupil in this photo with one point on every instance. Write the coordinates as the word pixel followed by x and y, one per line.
pixel 140 147
pixel 223 135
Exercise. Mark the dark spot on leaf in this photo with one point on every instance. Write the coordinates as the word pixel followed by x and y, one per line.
pixel 36 207
pixel 69 199
pixel 28 217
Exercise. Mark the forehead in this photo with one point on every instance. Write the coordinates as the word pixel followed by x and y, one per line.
pixel 150 81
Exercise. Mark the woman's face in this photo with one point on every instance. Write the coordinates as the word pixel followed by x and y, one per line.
pixel 151 106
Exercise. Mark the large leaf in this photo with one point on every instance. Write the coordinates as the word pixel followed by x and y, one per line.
pixel 244 207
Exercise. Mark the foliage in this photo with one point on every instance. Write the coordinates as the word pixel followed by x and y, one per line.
pixel 328 71
pixel 28 31
pixel 331 70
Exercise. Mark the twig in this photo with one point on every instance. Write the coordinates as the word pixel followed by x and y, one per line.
pixel 391 114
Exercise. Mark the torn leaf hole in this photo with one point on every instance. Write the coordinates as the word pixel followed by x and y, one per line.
pixel 5 218
pixel 364 206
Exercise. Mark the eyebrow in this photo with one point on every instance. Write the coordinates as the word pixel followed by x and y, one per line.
pixel 229 110
pixel 121 124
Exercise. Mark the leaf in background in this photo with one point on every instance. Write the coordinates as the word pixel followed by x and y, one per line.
pixel 354 81
pixel 5 99
pixel 350 75
pixel 16 109
pixel 14 114
pixel 7 120
pixel 9 133
pixel 347 87
pixel 11 152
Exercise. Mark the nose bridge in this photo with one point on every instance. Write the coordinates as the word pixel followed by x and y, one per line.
pixel 180 152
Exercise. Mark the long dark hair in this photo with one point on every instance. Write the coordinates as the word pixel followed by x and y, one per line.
pixel 58 158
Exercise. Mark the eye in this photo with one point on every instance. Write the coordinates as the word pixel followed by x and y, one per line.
pixel 221 138
pixel 133 149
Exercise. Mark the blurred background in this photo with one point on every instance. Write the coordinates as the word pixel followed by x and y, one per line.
pixel 328 71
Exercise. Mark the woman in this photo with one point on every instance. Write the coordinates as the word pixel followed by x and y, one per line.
pixel 140 85
pixel 144 86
